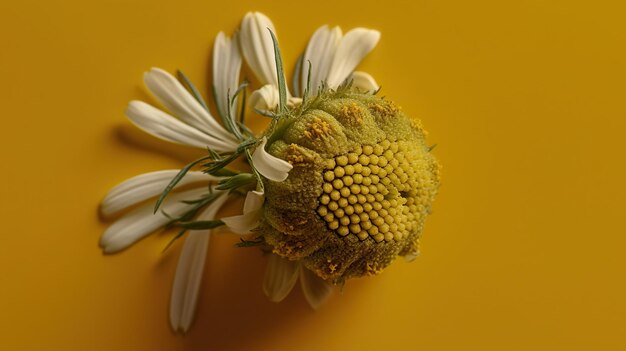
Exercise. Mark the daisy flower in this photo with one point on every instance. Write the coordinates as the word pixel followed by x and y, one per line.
pixel 338 186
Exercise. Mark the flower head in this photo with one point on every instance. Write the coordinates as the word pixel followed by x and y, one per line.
pixel 339 185
pixel 362 184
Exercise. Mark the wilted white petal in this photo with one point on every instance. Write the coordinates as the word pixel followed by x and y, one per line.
pixel 363 81
pixel 137 224
pixel 171 93
pixel 189 271
pixel 320 52
pixel 316 290
pixel 352 48
pixel 163 126
pixel 411 256
pixel 280 277
pixel 257 47
pixel 244 223
pixel 266 98
pixel 271 167
pixel 226 68
pixel 294 101
pixel 144 186
pixel 254 201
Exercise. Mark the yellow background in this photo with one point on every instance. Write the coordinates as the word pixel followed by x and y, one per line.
pixel 524 250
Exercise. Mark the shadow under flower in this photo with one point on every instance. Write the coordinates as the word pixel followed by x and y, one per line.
pixel 233 313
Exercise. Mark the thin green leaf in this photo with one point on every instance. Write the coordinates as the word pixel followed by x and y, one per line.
pixel 307 90
pixel 168 216
pixel 187 216
pixel 228 121
pixel 224 172
pixel 223 115
pixel 240 88
pixel 280 73
pixel 236 181
pixel 191 88
pixel 231 103
pixel 178 236
pixel 200 225
pixel 214 155
pixel 214 166
pixel 265 113
pixel 197 205
pixel 259 180
pixel 251 243
pixel 431 148
pixel 246 130
pixel 177 179
pixel 295 84
pixel 242 113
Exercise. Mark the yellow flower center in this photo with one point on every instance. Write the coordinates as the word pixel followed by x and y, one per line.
pixel 373 192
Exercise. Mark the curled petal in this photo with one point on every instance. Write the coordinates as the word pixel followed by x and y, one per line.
pixel 163 126
pixel 320 52
pixel 257 46
pixel 363 81
pixel 316 290
pixel 188 276
pixel 266 98
pixel 280 277
pixel 226 68
pixel 137 224
pixel 244 223
pixel 352 48
pixel 271 167
pixel 171 93
pixel 254 201
pixel 294 101
pixel 411 256
pixel 144 186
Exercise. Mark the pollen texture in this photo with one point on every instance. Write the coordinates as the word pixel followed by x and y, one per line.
pixel 372 192
pixel 362 185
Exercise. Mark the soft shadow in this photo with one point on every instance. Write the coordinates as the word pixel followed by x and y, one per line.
pixel 233 313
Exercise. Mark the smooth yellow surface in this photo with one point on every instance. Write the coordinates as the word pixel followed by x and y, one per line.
pixel 524 250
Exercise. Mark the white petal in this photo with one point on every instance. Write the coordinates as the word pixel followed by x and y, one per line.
pixel 171 93
pixel 316 290
pixel 320 52
pixel 353 47
pixel 254 201
pixel 226 68
pixel 163 126
pixel 257 47
pixel 244 223
pixel 363 81
pixel 294 101
pixel 189 271
pixel 137 224
pixel 271 167
pixel 280 277
pixel 266 98
pixel 411 256
pixel 144 186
